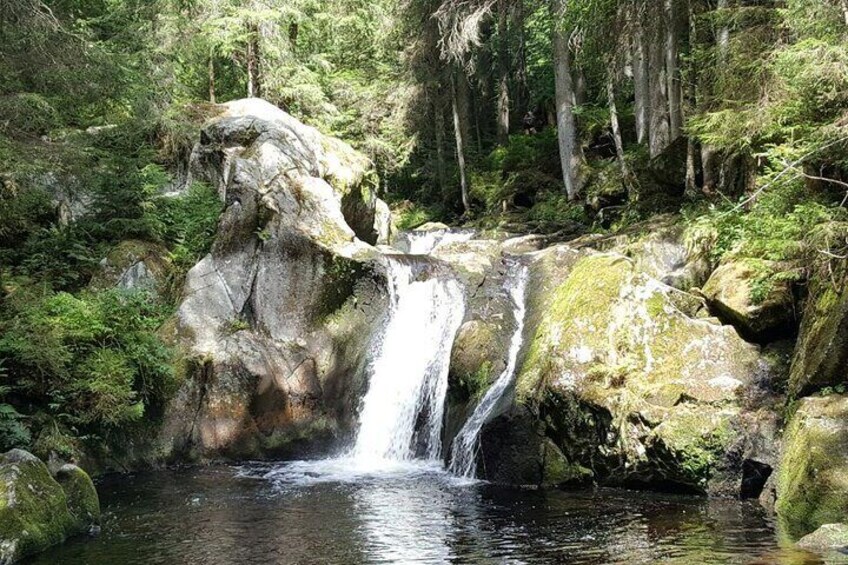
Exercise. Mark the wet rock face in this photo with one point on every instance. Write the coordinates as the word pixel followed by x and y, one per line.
pixel 36 511
pixel 812 481
pixel 275 321
pixel 631 388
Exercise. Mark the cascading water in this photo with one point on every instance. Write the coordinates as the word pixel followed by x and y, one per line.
pixel 467 442
pixel 404 405
pixel 425 242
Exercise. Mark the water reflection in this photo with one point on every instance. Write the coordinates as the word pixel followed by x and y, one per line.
pixel 332 513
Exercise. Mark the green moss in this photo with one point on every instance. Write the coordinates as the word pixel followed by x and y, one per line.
pixel 812 480
pixel 338 284
pixel 579 306
pixel 557 470
pixel 822 349
pixel 697 437
pixel 33 507
pixel 83 502
pixel 478 382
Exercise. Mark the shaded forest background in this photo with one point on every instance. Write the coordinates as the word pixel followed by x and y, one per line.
pixel 547 116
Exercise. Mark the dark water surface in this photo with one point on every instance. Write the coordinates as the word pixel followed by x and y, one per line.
pixel 307 513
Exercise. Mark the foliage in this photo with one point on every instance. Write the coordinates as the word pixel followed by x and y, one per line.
pixel 90 365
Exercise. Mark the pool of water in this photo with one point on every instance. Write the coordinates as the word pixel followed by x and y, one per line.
pixel 334 513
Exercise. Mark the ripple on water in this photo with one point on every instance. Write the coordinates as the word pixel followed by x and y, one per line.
pixel 317 512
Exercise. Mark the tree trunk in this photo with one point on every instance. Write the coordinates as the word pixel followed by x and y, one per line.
pixel 844 4
pixel 211 79
pixel 522 102
pixel 294 32
pixel 579 87
pixel 459 99
pixel 253 79
pixel 616 135
pixel 640 81
pixel 691 190
pixel 723 35
pixel 672 57
pixel 441 167
pixel 566 125
pixel 503 72
pixel 708 167
pixel 658 134
pixel 692 146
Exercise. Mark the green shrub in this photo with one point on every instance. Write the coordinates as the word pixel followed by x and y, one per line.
pixel 89 365
pixel 553 210
pixel 27 113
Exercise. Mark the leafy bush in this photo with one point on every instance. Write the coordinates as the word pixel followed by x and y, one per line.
pixel 22 212
pixel 89 364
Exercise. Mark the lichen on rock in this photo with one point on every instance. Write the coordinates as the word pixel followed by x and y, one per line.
pixel 617 354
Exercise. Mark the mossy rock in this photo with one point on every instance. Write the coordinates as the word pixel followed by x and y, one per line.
pixel 83 502
pixel 133 264
pixel 812 481
pixel 821 353
pixel 827 538
pixel 558 471
pixel 657 389
pixel 34 511
pixel 746 294
pixel 694 438
pixel 476 358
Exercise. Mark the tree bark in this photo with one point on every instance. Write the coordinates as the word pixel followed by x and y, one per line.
pixel 522 101
pixel 564 94
pixel 579 87
pixel 640 81
pixel 253 79
pixel 503 72
pixel 459 99
pixel 615 126
pixel 211 79
pixel 441 167
pixel 692 146
pixel 708 167
pixel 658 134
pixel 723 36
pixel 672 57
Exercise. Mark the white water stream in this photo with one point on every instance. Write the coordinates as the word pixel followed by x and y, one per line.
pixel 467 442
pixel 401 416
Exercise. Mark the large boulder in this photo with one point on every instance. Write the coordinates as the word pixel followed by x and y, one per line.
pixel 821 354
pixel 631 388
pixel 826 539
pixel 760 314
pixel 36 511
pixel 83 502
pixel 812 481
pixel 275 322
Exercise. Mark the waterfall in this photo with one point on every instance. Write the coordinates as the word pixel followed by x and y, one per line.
pixel 402 412
pixel 466 444
pixel 425 242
